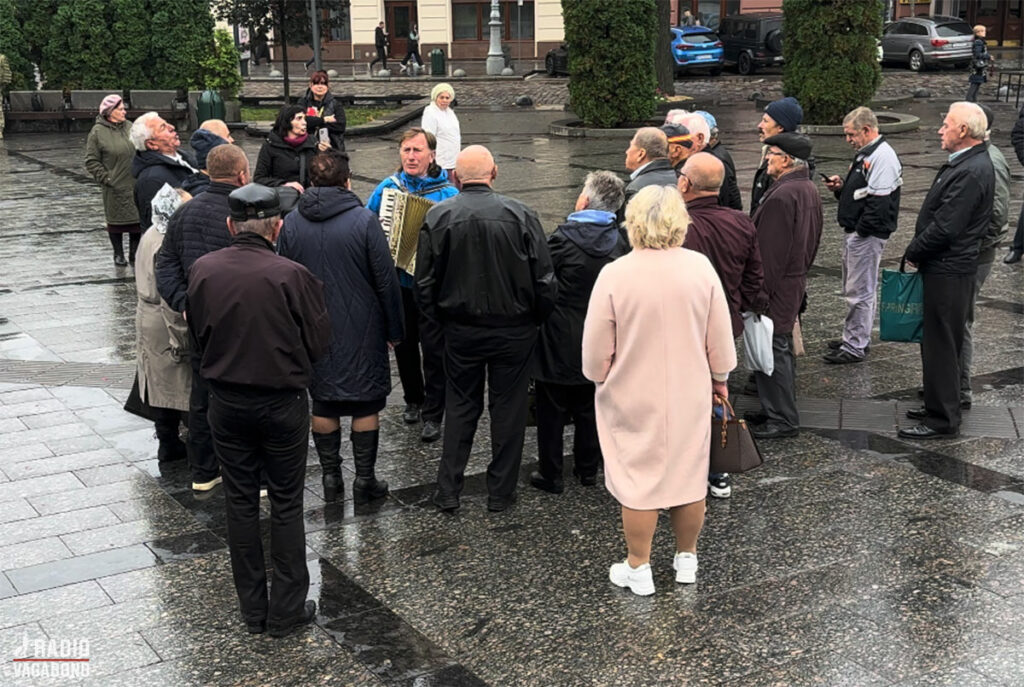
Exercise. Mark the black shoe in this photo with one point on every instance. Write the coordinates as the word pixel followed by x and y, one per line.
pixel 918 413
pixel 586 480
pixel 446 503
pixel 411 414
pixel 256 627
pixel 841 357
pixel 304 618
pixel 755 417
pixel 431 431
pixel 1012 257
pixel 966 404
pixel 925 432
pixel 836 344
pixel 120 261
pixel 774 430
pixel 551 486
pixel 170 451
pixel 496 504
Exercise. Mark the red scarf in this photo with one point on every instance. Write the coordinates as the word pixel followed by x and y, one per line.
pixel 295 141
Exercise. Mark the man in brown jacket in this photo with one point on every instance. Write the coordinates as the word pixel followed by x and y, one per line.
pixel 789 221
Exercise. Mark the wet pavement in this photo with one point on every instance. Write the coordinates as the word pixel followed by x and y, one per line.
pixel 851 558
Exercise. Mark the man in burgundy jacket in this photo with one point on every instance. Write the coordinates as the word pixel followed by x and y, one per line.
pixel 789 222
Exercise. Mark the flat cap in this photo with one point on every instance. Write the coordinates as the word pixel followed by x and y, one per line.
pixel 254 201
pixel 794 145
pixel 678 134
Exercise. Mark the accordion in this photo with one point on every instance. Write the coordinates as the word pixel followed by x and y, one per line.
pixel 401 216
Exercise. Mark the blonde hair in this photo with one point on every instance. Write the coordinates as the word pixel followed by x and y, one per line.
pixel 439 89
pixel 656 218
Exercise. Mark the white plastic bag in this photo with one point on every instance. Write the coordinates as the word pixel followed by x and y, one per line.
pixel 757 342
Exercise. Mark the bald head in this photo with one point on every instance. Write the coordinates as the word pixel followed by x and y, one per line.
pixel 228 164
pixel 475 165
pixel 218 128
pixel 705 174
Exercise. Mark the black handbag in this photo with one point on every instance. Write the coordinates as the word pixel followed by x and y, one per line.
pixel 733 448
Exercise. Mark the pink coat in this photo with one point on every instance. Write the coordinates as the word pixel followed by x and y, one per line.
pixel 657 327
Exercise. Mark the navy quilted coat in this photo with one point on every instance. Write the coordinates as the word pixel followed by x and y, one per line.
pixel 341 242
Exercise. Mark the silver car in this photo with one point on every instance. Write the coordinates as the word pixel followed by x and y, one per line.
pixel 924 41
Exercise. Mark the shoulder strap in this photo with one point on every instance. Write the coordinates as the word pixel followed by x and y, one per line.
pixel 398 182
pixel 430 189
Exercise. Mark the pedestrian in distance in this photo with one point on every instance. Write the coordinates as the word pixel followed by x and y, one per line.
pixel 484 272
pixel 109 154
pixel 981 62
pixel 587 241
pixel 869 207
pixel 953 220
pixel 1013 256
pixel 381 41
pixel 653 409
pixel 259 413
pixel 342 244
pixel 413 52
pixel 440 119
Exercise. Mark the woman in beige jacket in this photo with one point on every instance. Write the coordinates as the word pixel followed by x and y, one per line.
pixel 658 343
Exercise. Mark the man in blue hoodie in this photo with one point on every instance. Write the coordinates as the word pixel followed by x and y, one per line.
pixel 588 241
pixel 209 135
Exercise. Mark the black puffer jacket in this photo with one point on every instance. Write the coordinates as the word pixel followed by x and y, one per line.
pixel 278 163
pixel 578 251
pixel 151 171
pixel 329 106
pixel 483 261
pixel 1017 136
pixel 954 215
pixel 197 228
pixel 342 244
pixel 729 195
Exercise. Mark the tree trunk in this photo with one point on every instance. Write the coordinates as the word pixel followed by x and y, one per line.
pixel 280 21
pixel 664 68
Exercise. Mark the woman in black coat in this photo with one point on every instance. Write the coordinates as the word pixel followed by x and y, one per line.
pixel 979 63
pixel 342 243
pixel 322 110
pixel 284 158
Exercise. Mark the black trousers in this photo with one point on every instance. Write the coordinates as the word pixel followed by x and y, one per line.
pixel 503 356
pixel 413 53
pixel 258 430
pixel 1018 236
pixel 202 460
pixel 556 405
pixel 382 56
pixel 777 392
pixel 421 386
pixel 947 300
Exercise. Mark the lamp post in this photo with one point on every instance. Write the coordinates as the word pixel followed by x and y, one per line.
pixel 495 60
pixel 314 21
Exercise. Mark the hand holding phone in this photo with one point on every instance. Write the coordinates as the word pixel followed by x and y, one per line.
pixel 824 177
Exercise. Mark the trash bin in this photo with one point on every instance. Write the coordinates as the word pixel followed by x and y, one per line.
pixel 437 62
pixel 209 106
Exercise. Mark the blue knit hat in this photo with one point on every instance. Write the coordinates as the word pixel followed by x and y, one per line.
pixel 786 112
pixel 203 141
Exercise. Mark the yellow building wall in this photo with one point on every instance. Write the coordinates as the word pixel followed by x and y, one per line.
pixel 548 24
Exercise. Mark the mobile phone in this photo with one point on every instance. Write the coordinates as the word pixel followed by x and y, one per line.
pixel 824 177
pixel 324 136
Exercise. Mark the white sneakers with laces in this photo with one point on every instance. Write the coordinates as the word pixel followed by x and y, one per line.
pixel 685 565
pixel 639 580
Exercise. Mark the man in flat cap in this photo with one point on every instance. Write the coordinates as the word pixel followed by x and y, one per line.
pixel 789 222
pixel 680 144
pixel 780 116
pixel 260 321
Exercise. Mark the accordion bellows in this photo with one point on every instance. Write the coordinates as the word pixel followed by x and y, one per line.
pixel 402 215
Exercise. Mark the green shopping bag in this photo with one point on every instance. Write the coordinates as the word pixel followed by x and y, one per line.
pixel 901 311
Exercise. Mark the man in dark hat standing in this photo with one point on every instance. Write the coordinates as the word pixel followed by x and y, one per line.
pixel 680 144
pixel 260 321
pixel 789 221
pixel 780 116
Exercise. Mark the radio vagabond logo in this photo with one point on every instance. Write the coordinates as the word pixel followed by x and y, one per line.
pixel 53 657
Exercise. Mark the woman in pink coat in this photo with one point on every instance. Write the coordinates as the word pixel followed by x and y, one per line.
pixel 658 342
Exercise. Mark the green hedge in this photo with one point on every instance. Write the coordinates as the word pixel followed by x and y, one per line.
pixel 831 55
pixel 611 60
pixel 12 44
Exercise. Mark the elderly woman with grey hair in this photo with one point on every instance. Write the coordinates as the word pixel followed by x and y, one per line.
pixel 587 241
pixel 657 341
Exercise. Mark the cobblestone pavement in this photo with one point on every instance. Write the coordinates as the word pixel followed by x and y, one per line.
pixel 850 558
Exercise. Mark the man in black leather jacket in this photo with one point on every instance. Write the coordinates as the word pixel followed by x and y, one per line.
pixel 484 272
pixel 952 221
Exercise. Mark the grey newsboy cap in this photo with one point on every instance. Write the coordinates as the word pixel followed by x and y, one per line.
pixel 794 145
pixel 254 201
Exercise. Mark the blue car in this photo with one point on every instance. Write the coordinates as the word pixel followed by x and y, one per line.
pixel 696 47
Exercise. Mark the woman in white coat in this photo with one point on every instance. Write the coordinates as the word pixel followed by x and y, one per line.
pixel 440 120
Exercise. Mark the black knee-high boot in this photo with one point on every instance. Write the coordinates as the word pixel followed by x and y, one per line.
pixel 364 453
pixel 118 243
pixel 133 245
pixel 166 423
pixel 328 448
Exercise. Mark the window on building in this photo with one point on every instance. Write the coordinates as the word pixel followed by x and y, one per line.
pixel 343 31
pixel 470 19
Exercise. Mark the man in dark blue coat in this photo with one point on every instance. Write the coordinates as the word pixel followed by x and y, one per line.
pixel 588 241
pixel 158 161
pixel 947 237
pixel 342 244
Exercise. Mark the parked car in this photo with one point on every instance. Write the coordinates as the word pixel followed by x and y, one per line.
pixel 751 41
pixel 696 47
pixel 557 61
pixel 920 42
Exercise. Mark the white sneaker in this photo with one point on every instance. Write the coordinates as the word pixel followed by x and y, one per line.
pixel 639 580
pixel 206 486
pixel 685 565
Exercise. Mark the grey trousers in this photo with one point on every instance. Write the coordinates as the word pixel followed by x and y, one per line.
pixel 778 391
pixel 967 352
pixel 861 257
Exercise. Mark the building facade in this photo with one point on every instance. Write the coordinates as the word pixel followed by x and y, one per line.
pixel 1001 18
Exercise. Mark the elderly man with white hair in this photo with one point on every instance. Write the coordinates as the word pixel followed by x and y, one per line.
pixel 158 161
pixel 695 123
pixel 952 221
